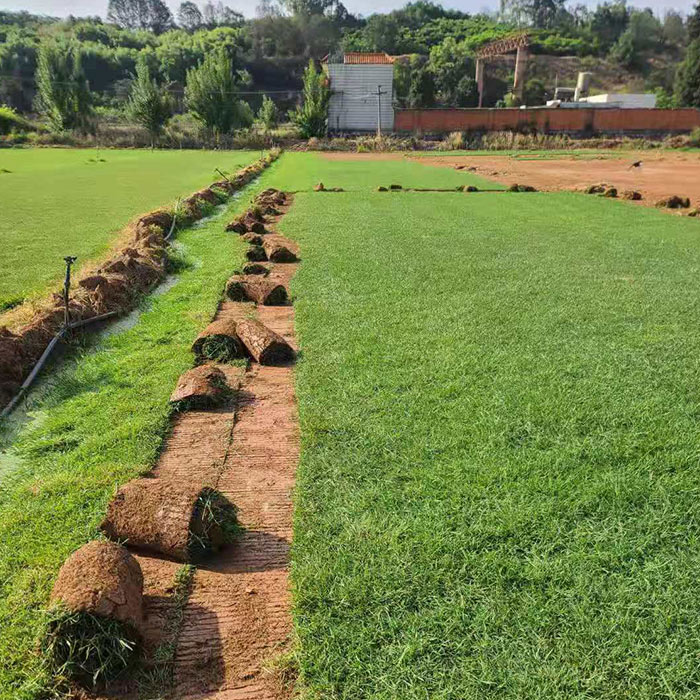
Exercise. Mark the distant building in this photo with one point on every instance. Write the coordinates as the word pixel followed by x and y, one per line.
pixel 362 92
pixel 622 100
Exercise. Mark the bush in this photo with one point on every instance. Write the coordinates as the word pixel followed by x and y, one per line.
pixel 149 105
pixel 694 138
pixel 211 95
pixel 10 121
pixel 454 141
pixel 687 86
pixel 62 92
pixel 312 116
pixel 267 114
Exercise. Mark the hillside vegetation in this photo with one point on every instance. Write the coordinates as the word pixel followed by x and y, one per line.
pixel 47 64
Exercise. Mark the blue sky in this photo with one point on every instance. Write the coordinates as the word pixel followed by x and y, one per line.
pixel 247 7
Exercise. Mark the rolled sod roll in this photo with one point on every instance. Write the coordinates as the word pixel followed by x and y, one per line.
pixel 93 634
pixel 264 345
pixel 237 226
pixel 201 387
pixel 255 269
pixel 180 520
pixel 218 342
pixel 255 288
pixel 256 253
pixel 278 253
pixel 252 238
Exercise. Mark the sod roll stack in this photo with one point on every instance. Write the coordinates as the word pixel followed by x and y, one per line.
pixel 94 626
pixel 182 521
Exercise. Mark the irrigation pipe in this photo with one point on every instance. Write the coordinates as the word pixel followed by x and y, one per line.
pixel 172 227
pixel 68 326
pixel 26 384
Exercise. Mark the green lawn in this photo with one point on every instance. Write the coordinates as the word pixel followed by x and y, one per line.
pixel 105 419
pixel 499 487
pixel 301 171
pixel 499 404
pixel 58 202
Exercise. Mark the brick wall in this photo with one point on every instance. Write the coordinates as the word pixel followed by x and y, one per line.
pixel 547 120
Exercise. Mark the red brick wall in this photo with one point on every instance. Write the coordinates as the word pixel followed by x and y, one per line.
pixel 546 120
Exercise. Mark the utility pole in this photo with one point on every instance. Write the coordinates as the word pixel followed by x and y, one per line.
pixel 379 94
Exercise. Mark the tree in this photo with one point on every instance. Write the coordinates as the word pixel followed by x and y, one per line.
pixel 267 114
pixel 219 15
pixel 535 92
pixel 308 7
pixel 693 24
pixel 149 105
pixel 312 115
pixel 63 96
pixel 466 92
pixel 643 33
pixel 211 94
pixel 450 63
pixel 673 30
pixel 421 92
pixel 608 22
pixel 189 16
pixel 687 88
pixel 152 15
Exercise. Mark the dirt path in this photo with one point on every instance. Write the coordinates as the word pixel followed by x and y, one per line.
pixel 661 174
pixel 237 620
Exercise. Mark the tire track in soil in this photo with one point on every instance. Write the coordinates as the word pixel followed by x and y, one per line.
pixel 237 619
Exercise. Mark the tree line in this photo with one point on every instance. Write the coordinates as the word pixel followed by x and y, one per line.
pixel 143 54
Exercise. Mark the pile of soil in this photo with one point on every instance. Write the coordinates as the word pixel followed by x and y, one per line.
pixel 178 520
pixel 254 268
pixel 271 198
pixel 256 253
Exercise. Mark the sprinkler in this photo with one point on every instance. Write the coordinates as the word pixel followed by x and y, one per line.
pixel 69 260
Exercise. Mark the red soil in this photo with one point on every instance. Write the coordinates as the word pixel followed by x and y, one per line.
pixel 663 173
pixel 237 620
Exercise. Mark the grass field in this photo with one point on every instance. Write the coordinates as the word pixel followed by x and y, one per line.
pixel 106 416
pixel 302 171
pixel 58 202
pixel 498 399
pixel 500 439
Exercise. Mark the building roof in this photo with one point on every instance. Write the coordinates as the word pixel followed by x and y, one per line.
pixel 361 57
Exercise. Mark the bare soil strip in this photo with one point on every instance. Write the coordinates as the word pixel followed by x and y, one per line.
pixel 660 175
pixel 237 619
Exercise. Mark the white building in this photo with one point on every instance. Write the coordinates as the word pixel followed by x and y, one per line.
pixel 362 92
pixel 622 100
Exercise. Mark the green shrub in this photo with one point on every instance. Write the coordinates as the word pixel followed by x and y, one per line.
pixel 312 116
pixel 150 105
pixel 267 117
pixel 11 121
pixel 694 138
